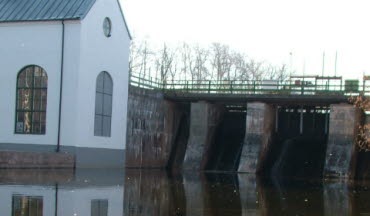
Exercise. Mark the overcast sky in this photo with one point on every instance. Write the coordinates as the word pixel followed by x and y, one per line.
pixel 265 29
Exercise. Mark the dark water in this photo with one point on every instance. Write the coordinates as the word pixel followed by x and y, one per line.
pixel 146 193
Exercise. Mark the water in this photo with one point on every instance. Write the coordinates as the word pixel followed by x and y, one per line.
pixel 156 193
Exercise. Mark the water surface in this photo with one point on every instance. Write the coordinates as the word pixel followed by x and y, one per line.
pixel 90 192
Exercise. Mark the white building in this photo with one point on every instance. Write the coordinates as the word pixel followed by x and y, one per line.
pixel 64 79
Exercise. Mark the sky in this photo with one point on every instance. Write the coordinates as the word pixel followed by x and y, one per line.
pixel 294 32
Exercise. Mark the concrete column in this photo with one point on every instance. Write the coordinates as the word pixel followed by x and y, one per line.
pixel 249 195
pixel 336 199
pixel 341 150
pixel 260 125
pixel 204 119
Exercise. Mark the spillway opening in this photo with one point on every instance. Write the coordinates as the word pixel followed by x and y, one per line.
pixel 300 142
pixel 228 140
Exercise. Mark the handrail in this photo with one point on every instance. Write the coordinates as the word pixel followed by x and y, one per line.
pixel 249 87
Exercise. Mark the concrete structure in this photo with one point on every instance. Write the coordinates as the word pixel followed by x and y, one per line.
pixel 281 138
pixel 73 48
pixel 259 130
pixel 341 153
pixel 204 119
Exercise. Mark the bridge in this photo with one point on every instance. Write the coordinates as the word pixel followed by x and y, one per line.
pixel 257 126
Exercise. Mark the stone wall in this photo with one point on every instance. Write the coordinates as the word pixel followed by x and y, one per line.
pixel 35 160
pixel 152 123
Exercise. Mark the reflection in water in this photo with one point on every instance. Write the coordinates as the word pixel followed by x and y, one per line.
pixel 157 193
pixel 26 205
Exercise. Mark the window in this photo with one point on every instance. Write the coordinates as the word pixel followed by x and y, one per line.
pixel 27 205
pixel 107 27
pixel 99 207
pixel 32 83
pixel 103 105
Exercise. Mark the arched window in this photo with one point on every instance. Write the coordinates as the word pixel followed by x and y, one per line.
pixel 103 105
pixel 32 84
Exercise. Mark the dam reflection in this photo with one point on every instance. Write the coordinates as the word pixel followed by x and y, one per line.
pixel 157 193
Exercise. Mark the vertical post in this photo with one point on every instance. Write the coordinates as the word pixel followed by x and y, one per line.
pixel 313 120
pixel 276 119
pixel 187 86
pixel 302 87
pixel 231 86
pixel 254 87
pixel 301 121
pixel 209 86
pixel 326 121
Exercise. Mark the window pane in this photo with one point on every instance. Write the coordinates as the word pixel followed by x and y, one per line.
pixel 107 107
pixel 99 103
pixel 99 207
pixel 36 123
pixel 98 131
pixel 108 84
pixel 43 99
pixel 23 122
pixel 100 82
pixel 106 126
pixel 36 99
pixel 27 205
pixel 24 99
pixel 43 122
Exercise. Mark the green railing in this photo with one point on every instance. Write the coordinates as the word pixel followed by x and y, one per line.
pixel 249 87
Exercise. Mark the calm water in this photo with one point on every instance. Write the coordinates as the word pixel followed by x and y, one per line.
pixel 147 193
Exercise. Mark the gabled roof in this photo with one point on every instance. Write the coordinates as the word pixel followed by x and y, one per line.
pixel 43 10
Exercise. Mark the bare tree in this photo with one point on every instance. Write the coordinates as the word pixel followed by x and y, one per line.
pixel 164 62
pixel 220 61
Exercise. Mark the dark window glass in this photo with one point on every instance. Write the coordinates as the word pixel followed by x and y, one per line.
pixel 31 101
pixel 27 205
pixel 103 105
pixel 99 207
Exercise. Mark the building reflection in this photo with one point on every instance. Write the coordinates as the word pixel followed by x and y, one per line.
pixel 158 193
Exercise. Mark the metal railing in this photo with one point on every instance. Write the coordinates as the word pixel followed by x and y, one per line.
pixel 248 87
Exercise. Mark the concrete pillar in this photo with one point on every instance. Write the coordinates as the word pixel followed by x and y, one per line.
pixel 341 149
pixel 204 119
pixel 249 195
pixel 336 199
pixel 260 124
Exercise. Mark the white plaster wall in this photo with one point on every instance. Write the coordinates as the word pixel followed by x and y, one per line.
pixel 71 75
pixel 39 43
pixel 7 192
pixel 23 44
pixel 100 53
pixel 78 201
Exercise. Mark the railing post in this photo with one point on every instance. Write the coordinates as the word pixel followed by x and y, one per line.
pixel 231 86
pixel 209 87
pixel 254 87
pixel 187 86
pixel 302 88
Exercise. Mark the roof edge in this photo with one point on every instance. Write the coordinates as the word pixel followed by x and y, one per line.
pixel 124 20
pixel 40 20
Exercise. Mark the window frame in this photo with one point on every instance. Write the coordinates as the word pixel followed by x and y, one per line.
pixel 104 95
pixel 31 110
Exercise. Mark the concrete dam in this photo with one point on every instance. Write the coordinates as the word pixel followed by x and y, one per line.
pixel 277 134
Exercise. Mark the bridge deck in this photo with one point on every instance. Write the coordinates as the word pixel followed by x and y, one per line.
pixel 270 91
pixel 268 98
